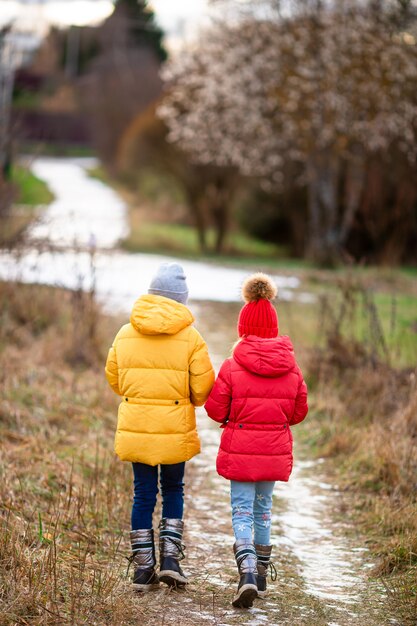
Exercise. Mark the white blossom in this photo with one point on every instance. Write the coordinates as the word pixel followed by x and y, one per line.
pixel 260 95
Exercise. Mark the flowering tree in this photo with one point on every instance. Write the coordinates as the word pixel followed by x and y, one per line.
pixel 302 100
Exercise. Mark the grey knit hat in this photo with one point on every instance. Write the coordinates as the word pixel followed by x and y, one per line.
pixel 169 281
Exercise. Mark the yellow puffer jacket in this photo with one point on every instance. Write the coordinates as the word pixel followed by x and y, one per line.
pixel 159 364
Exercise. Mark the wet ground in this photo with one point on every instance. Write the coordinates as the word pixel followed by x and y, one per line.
pixel 322 574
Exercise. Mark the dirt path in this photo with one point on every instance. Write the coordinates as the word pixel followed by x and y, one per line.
pixel 322 573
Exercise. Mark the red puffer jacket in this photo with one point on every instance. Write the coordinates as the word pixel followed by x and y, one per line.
pixel 259 393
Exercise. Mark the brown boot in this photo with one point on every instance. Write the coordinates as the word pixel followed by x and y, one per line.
pixel 263 554
pixel 143 560
pixel 247 590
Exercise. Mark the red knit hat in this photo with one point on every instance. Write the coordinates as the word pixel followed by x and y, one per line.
pixel 258 317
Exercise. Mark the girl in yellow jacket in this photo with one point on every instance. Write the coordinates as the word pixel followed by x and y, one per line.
pixel 160 366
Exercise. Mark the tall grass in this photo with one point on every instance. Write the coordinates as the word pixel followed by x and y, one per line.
pixel 65 500
pixel 366 417
pixel 63 496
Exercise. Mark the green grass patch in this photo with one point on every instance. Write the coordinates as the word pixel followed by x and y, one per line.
pixel 385 323
pixel 27 100
pixel 99 173
pixel 182 240
pixel 31 190
pixel 55 149
pixel 31 193
pixel 396 317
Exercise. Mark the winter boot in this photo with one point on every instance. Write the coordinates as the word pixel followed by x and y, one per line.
pixel 143 559
pixel 263 554
pixel 171 551
pixel 247 590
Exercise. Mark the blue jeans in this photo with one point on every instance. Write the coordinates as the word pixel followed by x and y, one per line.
pixel 145 480
pixel 251 509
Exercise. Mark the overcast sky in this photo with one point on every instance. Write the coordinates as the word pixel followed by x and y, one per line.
pixel 177 17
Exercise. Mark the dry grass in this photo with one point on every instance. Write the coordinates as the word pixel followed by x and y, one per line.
pixel 366 416
pixel 65 500
pixel 63 496
pixel 72 317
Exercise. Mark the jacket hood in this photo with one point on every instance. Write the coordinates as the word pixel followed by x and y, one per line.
pixel 157 315
pixel 265 357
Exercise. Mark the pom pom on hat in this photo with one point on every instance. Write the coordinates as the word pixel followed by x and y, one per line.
pixel 258 316
pixel 258 286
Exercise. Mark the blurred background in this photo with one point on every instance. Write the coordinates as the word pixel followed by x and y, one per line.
pixel 235 136
pixel 279 129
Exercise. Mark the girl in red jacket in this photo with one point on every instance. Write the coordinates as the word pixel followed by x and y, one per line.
pixel 259 393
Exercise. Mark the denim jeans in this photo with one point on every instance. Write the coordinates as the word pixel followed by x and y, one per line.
pixel 145 480
pixel 251 509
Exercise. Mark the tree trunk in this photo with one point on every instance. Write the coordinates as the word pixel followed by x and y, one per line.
pixel 323 245
pixel 219 196
pixel 354 182
pixel 201 227
pixel 294 202
pixel 394 244
pixel 220 215
pixel 197 208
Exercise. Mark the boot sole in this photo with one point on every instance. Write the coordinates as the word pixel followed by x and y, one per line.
pixel 145 588
pixel 262 594
pixel 172 579
pixel 245 597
